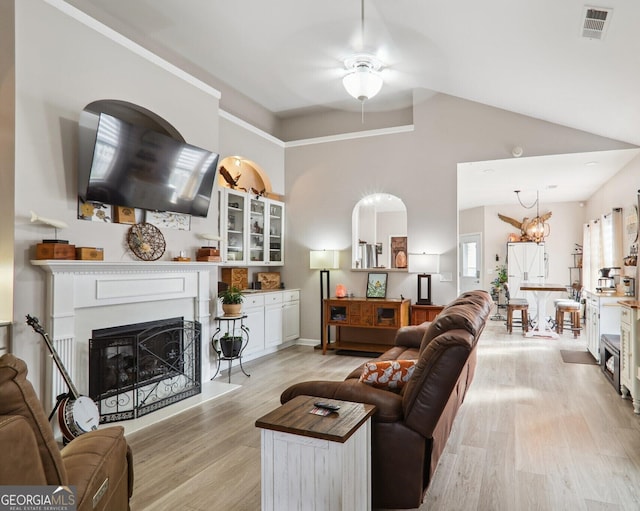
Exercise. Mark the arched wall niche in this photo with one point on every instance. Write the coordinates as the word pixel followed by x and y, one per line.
pixel 379 230
pixel 245 175
pixel 135 114
pixel 88 124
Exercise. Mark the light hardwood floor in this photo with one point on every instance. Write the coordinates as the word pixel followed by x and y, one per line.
pixel 534 433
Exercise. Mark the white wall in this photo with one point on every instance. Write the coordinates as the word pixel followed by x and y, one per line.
pixel 62 66
pixel 620 191
pixel 566 230
pixel 324 181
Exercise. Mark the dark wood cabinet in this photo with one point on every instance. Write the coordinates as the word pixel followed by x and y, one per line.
pixel 422 313
pixel 364 324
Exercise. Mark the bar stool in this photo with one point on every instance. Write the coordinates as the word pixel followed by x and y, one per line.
pixel 572 308
pixel 518 304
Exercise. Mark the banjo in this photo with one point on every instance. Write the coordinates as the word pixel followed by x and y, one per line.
pixel 76 414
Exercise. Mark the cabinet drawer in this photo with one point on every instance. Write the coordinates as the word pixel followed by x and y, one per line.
pixel 291 296
pixel 625 315
pixel 272 298
pixel 253 300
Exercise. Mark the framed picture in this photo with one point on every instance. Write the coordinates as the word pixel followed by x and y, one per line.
pixel 398 251
pixel 377 285
pixel 165 219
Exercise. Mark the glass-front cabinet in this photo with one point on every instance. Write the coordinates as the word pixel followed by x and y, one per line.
pixel 276 229
pixel 233 226
pixel 254 230
pixel 257 222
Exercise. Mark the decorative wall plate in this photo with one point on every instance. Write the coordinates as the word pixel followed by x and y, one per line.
pixel 146 241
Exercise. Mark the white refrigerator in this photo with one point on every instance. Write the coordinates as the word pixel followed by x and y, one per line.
pixel 525 263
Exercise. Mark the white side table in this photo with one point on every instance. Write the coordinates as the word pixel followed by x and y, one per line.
pixel 316 463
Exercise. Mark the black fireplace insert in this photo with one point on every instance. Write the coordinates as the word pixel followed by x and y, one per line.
pixel 139 368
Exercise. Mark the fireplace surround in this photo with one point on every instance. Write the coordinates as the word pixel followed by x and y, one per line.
pixel 138 369
pixel 83 296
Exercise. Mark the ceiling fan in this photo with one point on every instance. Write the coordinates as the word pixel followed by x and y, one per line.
pixel 363 80
pixel 386 55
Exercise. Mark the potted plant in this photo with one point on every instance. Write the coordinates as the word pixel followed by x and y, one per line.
pixel 230 345
pixel 498 283
pixel 232 299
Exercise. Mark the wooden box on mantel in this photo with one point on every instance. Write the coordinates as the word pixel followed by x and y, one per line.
pixel 208 254
pixel 55 251
pixel 89 254
pixel 236 277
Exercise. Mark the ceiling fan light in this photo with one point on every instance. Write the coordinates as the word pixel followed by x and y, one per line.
pixel 362 83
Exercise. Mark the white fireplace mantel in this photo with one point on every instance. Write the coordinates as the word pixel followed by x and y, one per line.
pixel 74 286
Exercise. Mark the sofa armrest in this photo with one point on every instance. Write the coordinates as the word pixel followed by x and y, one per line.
pixel 411 336
pixel 388 404
pixel 21 463
pixel 100 465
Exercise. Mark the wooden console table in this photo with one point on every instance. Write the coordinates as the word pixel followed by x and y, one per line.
pixel 422 313
pixel 364 324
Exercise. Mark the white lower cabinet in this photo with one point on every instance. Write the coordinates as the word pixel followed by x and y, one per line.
pixel 273 319
pixel 254 309
pixel 291 315
pixel 629 346
pixel 602 316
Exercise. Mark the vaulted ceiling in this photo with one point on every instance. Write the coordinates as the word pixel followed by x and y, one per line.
pixel 525 56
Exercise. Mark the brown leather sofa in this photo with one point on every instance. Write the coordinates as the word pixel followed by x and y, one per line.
pixel 98 463
pixel 411 426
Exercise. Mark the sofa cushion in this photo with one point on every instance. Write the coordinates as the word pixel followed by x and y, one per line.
pixel 387 374
pixel 469 316
pixel 17 397
pixel 21 463
pixel 440 366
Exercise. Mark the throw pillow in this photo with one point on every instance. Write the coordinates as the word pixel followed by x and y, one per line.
pixel 388 374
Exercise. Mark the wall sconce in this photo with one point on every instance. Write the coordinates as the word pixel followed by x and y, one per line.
pixel 424 265
pixel 324 260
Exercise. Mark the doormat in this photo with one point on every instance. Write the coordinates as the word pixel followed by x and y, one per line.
pixel 577 357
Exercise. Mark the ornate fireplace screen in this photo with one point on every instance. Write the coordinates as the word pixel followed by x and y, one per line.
pixel 137 369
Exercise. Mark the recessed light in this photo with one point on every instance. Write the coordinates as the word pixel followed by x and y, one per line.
pixel 552 187
pixel 591 164
pixel 488 171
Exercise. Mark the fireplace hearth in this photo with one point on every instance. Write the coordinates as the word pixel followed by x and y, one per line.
pixel 137 369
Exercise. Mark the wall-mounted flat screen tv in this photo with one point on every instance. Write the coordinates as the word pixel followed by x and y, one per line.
pixel 132 165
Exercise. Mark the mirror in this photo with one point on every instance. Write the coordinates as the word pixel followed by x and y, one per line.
pixel 379 233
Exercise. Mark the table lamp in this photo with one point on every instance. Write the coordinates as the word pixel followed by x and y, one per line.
pixel 424 265
pixel 324 260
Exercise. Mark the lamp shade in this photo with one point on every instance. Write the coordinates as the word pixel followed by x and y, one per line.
pixel 362 83
pixel 323 259
pixel 424 263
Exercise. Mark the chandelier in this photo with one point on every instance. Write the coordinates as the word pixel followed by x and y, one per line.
pixel 536 229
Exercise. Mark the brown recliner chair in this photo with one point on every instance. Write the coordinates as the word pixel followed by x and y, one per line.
pixel 411 427
pixel 98 463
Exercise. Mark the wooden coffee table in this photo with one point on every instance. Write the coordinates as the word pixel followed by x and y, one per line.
pixel 313 462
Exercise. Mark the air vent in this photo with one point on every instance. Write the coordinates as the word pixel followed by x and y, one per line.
pixel 595 22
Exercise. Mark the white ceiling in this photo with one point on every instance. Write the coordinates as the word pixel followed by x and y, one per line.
pixel 557 178
pixel 525 56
